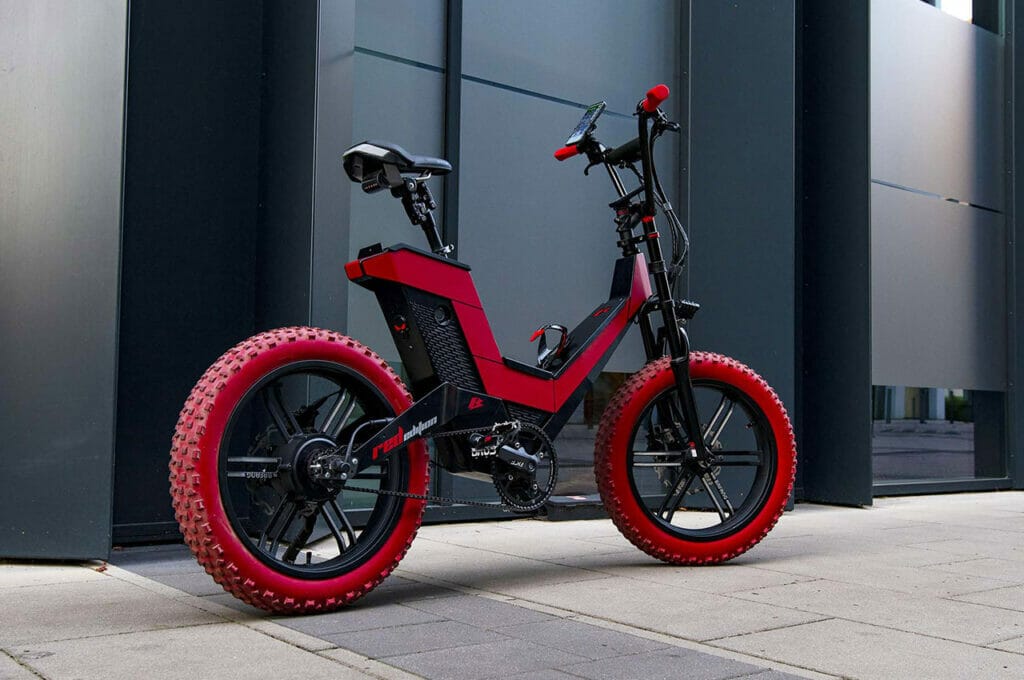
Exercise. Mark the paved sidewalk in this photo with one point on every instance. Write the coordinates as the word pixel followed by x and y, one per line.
pixel 925 587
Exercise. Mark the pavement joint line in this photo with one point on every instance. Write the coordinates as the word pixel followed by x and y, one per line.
pixel 18 661
pixel 375 667
pixel 635 631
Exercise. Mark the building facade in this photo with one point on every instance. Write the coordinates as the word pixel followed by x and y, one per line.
pixel 170 183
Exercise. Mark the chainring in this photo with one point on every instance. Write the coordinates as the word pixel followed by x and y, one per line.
pixel 524 491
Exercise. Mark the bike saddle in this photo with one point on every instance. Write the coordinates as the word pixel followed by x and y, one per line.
pixel 365 160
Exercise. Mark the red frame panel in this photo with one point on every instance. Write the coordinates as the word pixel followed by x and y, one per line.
pixel 425 273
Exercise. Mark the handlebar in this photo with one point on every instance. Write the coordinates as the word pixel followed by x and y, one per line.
pixel 655 96
pixel 567 152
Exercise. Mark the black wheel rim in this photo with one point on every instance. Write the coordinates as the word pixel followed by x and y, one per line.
pixel 684 499
pixel 281 516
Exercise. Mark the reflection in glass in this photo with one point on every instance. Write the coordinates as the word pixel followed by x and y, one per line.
pixel 929 433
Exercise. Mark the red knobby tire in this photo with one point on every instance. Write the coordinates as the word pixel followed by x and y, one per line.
pixel 616 475
pixel 199 501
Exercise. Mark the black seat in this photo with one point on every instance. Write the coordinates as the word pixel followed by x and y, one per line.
pixel 365 160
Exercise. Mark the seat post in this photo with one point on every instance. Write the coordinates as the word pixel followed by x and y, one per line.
pixel 419 206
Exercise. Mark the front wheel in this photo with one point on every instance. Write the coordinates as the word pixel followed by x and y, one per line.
pixel 667 504
pixel 247 443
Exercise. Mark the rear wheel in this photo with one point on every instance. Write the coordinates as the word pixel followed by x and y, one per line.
pixel 672 506
pixel 265 528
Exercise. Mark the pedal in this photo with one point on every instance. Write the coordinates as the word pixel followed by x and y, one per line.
pixel 546 356
pixel 686 309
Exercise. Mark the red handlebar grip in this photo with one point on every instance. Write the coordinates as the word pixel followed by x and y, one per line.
pixel 567 152
pixel 655 96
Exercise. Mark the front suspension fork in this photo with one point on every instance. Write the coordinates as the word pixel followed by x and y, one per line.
pixel 678 346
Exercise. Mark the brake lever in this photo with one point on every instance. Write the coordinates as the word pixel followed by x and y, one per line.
pixel 586 170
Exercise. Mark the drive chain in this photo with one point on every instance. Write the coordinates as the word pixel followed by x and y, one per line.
pixel 444 500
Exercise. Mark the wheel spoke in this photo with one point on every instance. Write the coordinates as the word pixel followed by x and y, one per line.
pixel 295 546
pixel 713 497
pixel 672 499
pixel 283 419
pixel 349 531
pixel 718 422
pixel 293 510
pixel 332 524
pixel 273 520
pixel 336 421
pixel 736 458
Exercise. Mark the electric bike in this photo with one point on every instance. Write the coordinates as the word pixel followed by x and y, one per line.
pixel 299 465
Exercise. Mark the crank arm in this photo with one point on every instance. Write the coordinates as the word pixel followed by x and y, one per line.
pixel 437 408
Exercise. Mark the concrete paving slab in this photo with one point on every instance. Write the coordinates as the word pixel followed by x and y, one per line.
pixel 685 613
pixel 857 650
pixel 12 670
pixel 666 664
pixel 1000 570
pixel 193 583
pixel 19 574
pixel 506 657
pixel 421 637
pixel 721 578
pixel 542 546
pixel 921 535
pixel 1016 645
pixel 357 617
pixel 479 611
pixel 485 569
pixel 224 650
pixel 975 549
pixel 1003 598
pixel 581 639
pixel 371 666
pixel 230 601
pixel 961 621
pixel 35 614
pixel 536 675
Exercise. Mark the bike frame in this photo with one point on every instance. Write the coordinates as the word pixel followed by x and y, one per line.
pixel 458 376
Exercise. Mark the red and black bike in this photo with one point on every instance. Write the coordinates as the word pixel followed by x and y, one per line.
pixel 299 466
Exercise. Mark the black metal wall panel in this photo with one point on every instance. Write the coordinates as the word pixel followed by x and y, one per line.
pixel 287 149
pixel 331 190
pixel 62 71
pixel 835 454
pixel 190 229
pixel 1014 23
pixel 742 184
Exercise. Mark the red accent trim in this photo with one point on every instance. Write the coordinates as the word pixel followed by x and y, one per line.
pixel 641 285
pixel 474 404
pixel 653 235
pixel 478 332
pixel 353 270
pixel 655 96
pixel 426 273
pixel 647 219
pixel 507 383
pixel 536 334
pixel 578 371
pixel 567 152
pixel 456 284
